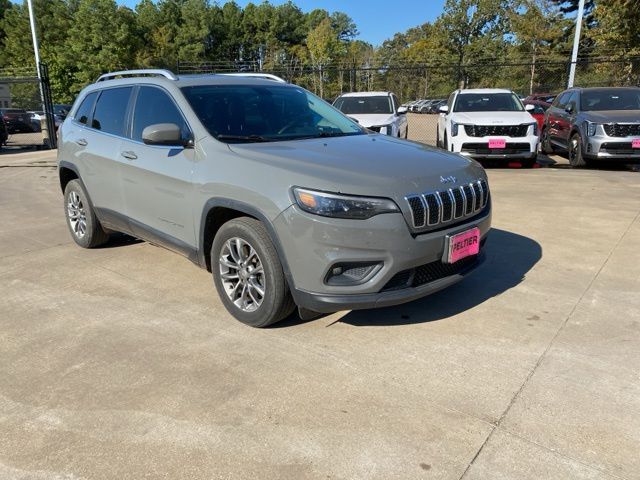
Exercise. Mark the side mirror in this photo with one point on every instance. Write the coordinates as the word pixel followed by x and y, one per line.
pixel 402 110
pixel 163 134
pixel 569 108
pixel 529 108
pixel 443 109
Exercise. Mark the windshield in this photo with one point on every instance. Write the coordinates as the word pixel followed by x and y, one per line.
pixel 611 100
pixel 364 105
pixel 488 102
pixel 261 113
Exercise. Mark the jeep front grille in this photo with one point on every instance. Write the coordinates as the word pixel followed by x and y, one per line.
pixel 446 206
pixel 502 130
pixel 622 129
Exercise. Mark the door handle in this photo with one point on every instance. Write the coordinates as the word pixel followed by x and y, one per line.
pixel 129 155
pixel 82 142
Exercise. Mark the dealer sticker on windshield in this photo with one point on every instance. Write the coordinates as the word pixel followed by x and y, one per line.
pixel 497 143
pixel 635 143
pixel 462 245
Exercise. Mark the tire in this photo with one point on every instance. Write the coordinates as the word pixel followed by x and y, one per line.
pixel 82 222
pixel 241 246
pixel 545 143
pixel 438 142
pixel 406 133
pixel 576 159
pixel 445 143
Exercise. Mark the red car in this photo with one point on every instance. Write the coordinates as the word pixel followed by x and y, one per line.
pixel 541 97
pixel 539 107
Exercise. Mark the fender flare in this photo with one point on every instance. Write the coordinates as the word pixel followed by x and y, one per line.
pixel 251 211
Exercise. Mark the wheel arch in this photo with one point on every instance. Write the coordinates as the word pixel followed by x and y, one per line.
pixel 67 172
pixel 218 211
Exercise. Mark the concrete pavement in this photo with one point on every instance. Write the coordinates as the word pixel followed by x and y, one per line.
pixel 121 362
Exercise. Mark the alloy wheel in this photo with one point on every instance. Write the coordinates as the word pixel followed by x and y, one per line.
pixel 242 274
pixel 77 215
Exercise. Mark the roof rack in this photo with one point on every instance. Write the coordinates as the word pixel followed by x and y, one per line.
pixel 266 76
pixel 138 73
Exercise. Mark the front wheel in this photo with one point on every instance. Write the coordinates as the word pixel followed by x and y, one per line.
pixel 248 274
pixel 576 159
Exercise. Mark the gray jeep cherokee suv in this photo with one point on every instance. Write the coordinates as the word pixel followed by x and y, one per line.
pixel 283 198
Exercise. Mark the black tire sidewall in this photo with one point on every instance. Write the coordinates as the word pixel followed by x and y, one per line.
pixel 578 161
pixel 276 289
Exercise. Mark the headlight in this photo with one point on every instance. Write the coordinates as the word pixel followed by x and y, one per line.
pixel 342 206
pixel 535 127
pixel 590 128
pixel 454 128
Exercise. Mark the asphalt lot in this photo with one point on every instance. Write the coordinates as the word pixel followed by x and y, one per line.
pixel 121 362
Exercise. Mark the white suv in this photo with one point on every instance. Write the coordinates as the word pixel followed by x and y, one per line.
pixel 377 111
pixel 488 124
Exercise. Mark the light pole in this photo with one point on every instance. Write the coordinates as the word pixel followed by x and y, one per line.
pixel 576 43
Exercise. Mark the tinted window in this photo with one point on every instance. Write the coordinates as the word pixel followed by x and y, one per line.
pixel 396 102
pixel 86 107
pixel 111 110
pixel 573 101
pixel 488 102
pixel 364 105
pixel 155 106
pixel 562 100
pixel 259 113
pixel 611 100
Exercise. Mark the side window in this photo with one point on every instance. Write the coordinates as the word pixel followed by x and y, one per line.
pixel 111 110
pixel 562 100
pixel 86 107
pixel 153 106
pixel 396 103
pixel 573 101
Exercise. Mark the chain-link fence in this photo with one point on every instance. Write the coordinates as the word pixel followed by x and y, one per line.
pixel 26 121
pixel 412 82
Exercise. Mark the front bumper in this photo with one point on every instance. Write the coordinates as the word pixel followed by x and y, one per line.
pixel 523 148
pixel 611 148
pixel 313 245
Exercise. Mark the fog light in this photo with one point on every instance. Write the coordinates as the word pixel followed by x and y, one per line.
pixel 353 273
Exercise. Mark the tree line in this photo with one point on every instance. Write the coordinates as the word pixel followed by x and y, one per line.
pixel 81 39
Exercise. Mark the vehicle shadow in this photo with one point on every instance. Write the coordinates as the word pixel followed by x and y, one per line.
pixel 118 239
pixel 509 257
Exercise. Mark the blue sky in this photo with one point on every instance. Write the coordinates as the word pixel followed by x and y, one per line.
pixel 377 20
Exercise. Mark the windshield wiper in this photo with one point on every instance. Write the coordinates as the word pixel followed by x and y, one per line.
pixel 244 138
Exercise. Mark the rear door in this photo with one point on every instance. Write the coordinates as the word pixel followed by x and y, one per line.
pixel 92 142
pixel 554 114
pixel 157 179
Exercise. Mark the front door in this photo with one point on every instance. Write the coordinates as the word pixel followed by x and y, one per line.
pixel 157 179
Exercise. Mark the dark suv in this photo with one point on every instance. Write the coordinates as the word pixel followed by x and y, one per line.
pixel 594 124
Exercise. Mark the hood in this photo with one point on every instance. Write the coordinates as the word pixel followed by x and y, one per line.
pixel 612 116
pixel 373 119
pixel 368 165
pixel 492 118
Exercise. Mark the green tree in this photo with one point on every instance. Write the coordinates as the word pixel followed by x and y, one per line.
pixel 322 43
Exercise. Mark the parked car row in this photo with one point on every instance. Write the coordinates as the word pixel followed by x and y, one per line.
pixel 430 105
pixel 587 124
pixel 18 120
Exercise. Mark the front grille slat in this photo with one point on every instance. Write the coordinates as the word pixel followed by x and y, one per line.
pixel 443 207
pixel 622 129
pixel 501 130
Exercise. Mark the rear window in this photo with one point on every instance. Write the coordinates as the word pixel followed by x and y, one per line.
pixel 111 109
